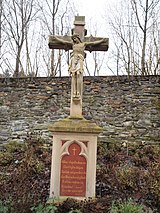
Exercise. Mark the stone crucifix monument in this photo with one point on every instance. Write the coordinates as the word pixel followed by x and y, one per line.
pixel 74 152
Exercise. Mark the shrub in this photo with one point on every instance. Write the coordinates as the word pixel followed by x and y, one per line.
pixel 25 179
pixel 126 207
pixel 5 207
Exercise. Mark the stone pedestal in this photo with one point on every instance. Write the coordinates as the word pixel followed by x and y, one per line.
pixel 73 172
pixel 76 102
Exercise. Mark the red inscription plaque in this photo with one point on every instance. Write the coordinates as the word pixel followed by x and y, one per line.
pixel 73 173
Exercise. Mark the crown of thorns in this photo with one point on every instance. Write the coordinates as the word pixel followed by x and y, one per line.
pixel 76 35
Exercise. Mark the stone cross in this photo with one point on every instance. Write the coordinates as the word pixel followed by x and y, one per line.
pixel 78 43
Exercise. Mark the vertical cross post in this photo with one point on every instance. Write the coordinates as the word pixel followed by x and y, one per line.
pixel 76 104
pixel 79 24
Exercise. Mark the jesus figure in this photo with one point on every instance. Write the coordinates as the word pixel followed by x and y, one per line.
pixel 76 67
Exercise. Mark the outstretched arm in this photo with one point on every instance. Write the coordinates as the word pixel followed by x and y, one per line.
pixel 56 38
pixel 91 43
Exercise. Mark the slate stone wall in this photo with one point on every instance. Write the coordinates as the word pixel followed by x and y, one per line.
pixel 128 109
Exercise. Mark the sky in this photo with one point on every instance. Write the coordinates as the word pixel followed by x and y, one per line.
pixel 95 19
pixel 94 13
pixel 90 7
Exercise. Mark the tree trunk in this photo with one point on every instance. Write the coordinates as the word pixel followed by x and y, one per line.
pixel 144 40
pixel 52 73
pixel 16 72
pixel 0 26
pixel 143 67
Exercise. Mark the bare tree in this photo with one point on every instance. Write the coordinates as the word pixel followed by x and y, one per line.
pixel 94 60
pixel 2 37
pixel 53 13
pixel 1 8
pixel 18 15
pixel 123 36
pixel 135 31
pixel 55 21
pixel 153 62
pixel 146 9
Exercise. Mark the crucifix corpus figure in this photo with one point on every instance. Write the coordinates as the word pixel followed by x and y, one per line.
pixel 77 57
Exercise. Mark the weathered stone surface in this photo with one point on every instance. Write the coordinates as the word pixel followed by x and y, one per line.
pixel 75 125
pixel 127 109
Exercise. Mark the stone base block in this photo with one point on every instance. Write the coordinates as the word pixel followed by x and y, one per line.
pixel 74 153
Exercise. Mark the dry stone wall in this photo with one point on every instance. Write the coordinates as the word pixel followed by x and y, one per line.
pixel 128 109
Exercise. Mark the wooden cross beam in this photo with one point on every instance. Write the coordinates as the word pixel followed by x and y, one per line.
pixel 79 24
pixel 54 44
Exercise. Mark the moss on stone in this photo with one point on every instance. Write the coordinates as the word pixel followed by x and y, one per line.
pixel 5 158
pixel 156 90
pixel 79 125
pixel 40 127
pixel 7 150
pixel 152 139
pixel 156 102
pixel 13 146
